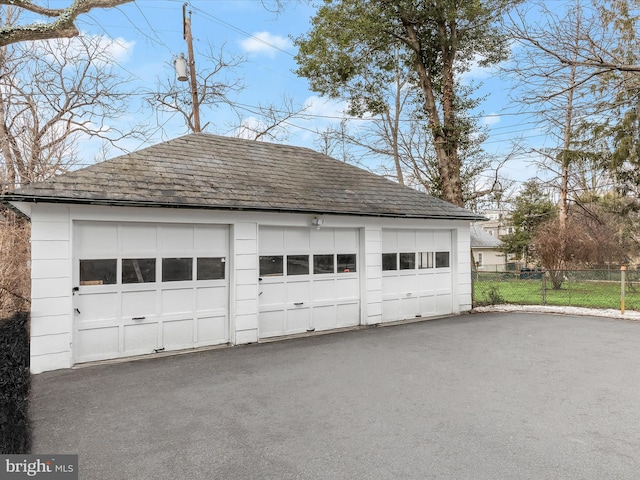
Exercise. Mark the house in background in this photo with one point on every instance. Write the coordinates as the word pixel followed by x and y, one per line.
pixel 498 224
pixel 207 240
pixel 485 250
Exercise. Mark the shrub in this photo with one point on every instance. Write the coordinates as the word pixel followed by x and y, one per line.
pixel 15 432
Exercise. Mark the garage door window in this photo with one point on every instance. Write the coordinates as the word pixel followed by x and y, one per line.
pixel 271 266
pixel 210 268
pixel 389 261
pixel 138 270
pixel 442 259
pixel 98 272
pixel 407 261
pixel 177 269
pixel 426 259
pixel 346 263
pixel 297 264
pixel 323 264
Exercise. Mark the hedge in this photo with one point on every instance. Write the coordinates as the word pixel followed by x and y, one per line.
pixel 15 431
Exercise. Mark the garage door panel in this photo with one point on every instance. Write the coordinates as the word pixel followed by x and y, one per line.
pixel 348 314
pixel 296 240
pixel 176 239
pixel 406 283
pixel 297 319
pixel 272 293
pixel 443 303
pixel 390 309
pixel 442 240
pixel 390 284
pixel 140 338
pixel 407 241
pixel 347 288
pixel 212 330
pixel 324 289
pixel 427 304
pixel 322 241
pixel 139 239
pixel 95 239
pixel 427 282
pixel 177 333
pixel 271 323
pixel 96 307
pixel 97 343
pixel 271 240
pixel 325 317
pixel 298 292
pixel 178 300
pixel 209 298
pixel 138 303
pixel 409 307
pixel 209 240
pixel 346 241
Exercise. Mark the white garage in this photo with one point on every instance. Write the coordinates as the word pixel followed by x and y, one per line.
pixel 148 288
pixel 206 240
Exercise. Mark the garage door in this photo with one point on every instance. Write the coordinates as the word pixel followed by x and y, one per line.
pixel 143 288
pixel 416 273
pixel 309 280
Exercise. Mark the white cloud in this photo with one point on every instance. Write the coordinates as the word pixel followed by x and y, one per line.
pixel 265 43
pixel 324 107
pixel 491 119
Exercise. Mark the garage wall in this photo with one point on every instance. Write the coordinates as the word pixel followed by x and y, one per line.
pixel 52 308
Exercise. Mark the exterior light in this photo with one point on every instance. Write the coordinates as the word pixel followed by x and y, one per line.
pixel 317 222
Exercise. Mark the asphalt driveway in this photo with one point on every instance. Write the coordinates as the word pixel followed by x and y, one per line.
pixel 483 396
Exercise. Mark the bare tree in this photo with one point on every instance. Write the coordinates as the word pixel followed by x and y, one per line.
pixel 52 94
pixel 62 26
pixel 268 121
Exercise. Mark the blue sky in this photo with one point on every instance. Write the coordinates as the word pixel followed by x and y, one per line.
pixel 146 35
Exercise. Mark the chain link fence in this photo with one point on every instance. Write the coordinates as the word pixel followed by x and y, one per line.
pixel 577 288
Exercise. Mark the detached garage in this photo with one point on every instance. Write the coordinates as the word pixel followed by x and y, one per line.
pixel 207 240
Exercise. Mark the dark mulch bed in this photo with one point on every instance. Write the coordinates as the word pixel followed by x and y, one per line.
pixel 15 432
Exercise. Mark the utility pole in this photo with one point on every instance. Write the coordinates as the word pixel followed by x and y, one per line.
pixel 192 69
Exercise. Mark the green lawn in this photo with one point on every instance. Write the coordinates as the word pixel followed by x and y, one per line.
pixel 510 289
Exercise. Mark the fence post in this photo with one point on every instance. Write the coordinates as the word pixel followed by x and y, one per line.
pixel 544 288
pixel 623 275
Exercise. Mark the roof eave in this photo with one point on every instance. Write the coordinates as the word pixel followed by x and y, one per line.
pixel 9 197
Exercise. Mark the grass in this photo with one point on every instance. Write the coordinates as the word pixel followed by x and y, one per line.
pixel 592 294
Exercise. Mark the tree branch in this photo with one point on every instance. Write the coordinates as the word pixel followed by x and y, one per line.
pixel 62 27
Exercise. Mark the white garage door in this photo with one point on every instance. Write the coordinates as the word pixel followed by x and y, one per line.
pixel 416 274
pixel 309 280
pixel 142 288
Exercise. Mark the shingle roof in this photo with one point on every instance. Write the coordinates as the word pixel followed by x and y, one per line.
pixel 209 171
pixel 481 239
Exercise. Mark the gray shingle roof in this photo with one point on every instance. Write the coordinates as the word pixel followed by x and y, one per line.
pixel 481 239
pixel 209 171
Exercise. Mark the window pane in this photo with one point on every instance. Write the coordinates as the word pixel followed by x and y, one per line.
pixel 442 259
pixel 271 266
pixel 407 261
pixel 177 269
pixel 210 268
pixel 389 261
pixel 138 270
pixel 323 264
pixel 426 259
pixel 297 264
pixel 346 263
pixel 98 272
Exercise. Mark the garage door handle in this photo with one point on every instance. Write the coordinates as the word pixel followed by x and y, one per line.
pixel 299 303
pixel 138 318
